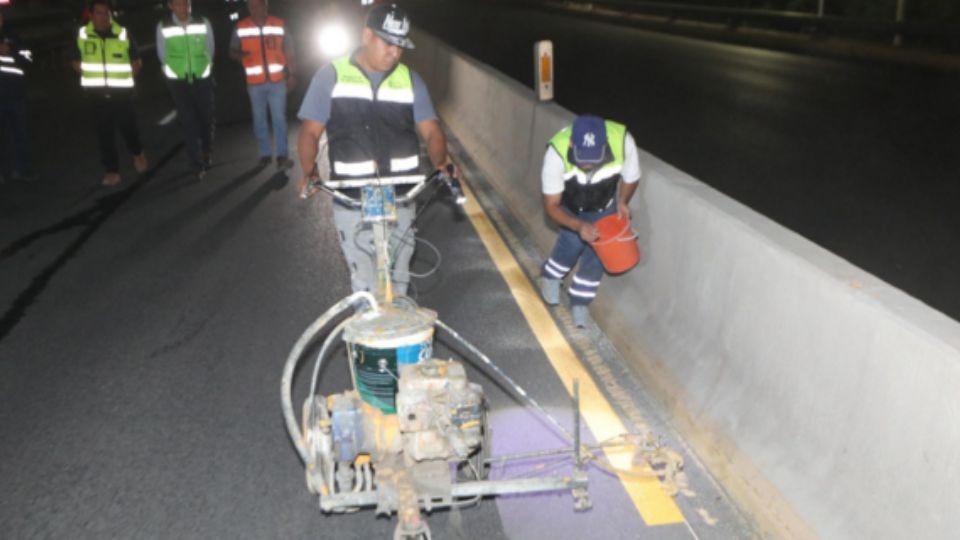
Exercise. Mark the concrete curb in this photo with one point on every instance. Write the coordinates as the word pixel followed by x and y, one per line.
pixel 819 394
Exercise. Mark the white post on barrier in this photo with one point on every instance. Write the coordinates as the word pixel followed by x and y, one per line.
pixel 898 38
pixel 543 69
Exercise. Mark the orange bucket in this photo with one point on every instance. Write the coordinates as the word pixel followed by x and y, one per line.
pixel 617 246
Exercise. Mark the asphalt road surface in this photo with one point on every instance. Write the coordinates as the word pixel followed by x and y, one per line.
pixel 143 330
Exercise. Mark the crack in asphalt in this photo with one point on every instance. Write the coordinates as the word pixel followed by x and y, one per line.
pixel 90 218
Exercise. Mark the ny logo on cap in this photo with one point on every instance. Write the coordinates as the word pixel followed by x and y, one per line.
pixel 589 140
pixel 394 26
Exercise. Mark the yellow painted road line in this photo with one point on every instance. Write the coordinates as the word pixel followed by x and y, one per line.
pixel 653 504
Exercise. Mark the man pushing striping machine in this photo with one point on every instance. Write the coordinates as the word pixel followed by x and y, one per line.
pixel 412 433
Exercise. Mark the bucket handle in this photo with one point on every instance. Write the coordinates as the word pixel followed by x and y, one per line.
pixel 616 238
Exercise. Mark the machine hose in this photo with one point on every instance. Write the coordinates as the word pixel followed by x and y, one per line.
pixel 286 383
pixel 517 389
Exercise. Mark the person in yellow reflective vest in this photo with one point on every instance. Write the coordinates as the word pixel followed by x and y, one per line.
pixel 107 60
pixel 185 47
pixel 260 42
pixel 590 171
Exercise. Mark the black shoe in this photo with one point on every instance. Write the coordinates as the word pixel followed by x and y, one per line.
pixel 283 162
pixel 264 161
pixel 207 160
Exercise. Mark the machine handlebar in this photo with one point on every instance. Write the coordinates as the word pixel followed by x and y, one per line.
pixel 418 181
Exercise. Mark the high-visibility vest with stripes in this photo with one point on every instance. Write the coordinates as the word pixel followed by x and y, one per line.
pixel 105 62
pixel 262 46
pixel 8 66
pixel 186 57
pixel 371 130
pixel 583 192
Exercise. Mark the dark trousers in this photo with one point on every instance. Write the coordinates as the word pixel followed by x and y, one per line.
pixel 110 114
pixel 194 103
pixel 568 250
pixel 15 132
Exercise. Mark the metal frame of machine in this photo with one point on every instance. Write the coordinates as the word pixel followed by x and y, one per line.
pixel 412 434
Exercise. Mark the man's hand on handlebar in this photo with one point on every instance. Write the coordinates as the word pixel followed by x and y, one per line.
pixel 450 175
pixel 307 185
pixel 450 170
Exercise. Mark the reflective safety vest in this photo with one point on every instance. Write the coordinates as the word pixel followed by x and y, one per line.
pixel 262 47
pixel 8 66
pixel 585 192
pixel 372 131
pixel 105 63
pixel 185 49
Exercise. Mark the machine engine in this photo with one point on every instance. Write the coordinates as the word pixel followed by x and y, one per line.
pixel 439 417
pixel 439 412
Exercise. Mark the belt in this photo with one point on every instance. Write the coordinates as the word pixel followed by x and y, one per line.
pixel 582 210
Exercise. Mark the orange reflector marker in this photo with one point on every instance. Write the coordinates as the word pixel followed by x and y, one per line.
pixel 543 65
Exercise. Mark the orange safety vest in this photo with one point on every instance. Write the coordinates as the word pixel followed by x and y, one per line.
pixel 263 49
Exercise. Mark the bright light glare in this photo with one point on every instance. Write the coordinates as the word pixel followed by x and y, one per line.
pixel 333 40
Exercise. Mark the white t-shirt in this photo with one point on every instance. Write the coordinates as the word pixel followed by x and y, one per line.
pixel 551 176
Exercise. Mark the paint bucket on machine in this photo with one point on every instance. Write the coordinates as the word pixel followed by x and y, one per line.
pixel 379 341
pixel 617 245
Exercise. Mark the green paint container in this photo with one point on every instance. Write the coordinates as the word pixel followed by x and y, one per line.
pixel 379 341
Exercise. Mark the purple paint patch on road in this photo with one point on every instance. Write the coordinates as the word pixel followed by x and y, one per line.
pixel 551 516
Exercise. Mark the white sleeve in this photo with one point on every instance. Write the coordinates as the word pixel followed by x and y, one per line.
pixel 551 176
pixel 161 45
pixel 211 43
pixel 631 161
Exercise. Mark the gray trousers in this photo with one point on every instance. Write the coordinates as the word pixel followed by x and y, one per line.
pixel 356 242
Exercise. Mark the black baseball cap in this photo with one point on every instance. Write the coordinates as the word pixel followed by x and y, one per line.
pixel 390 23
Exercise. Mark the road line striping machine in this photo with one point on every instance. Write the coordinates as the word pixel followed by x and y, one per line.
pixel 412 434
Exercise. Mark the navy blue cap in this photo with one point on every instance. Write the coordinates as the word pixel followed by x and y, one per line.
pixel 390 23
pixel 589 140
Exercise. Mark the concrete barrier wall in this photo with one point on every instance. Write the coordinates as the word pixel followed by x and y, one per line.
pixel 826 401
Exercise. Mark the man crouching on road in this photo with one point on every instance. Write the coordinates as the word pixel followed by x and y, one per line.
pixel 590 171
pixel 372 107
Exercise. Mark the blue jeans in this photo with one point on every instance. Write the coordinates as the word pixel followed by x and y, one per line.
pixel 568 250
pixel 273 96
